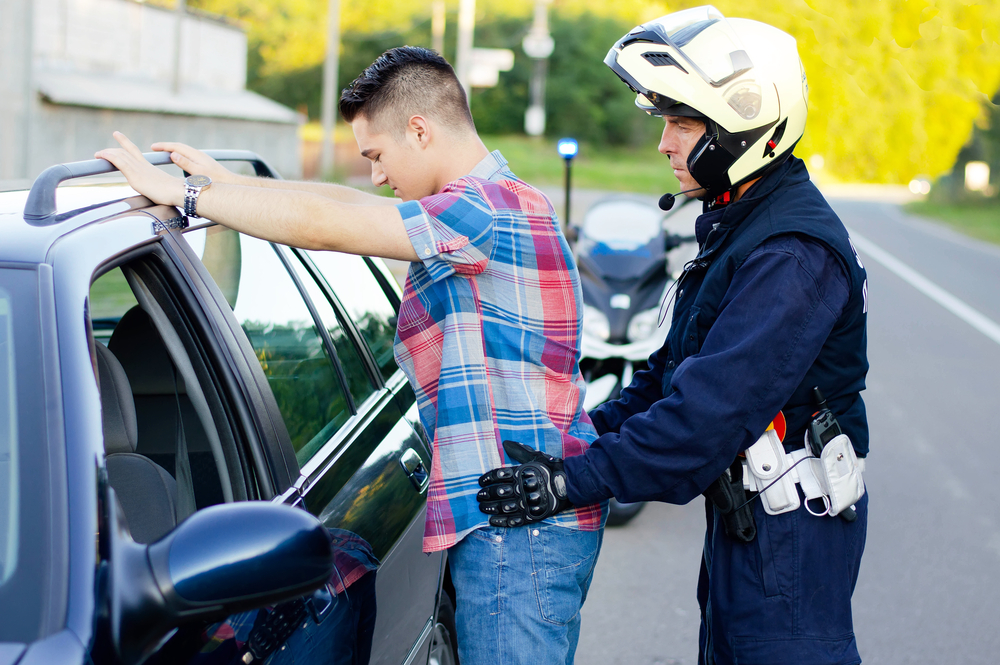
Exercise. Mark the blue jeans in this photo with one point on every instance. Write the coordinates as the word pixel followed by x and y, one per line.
pixel 519 593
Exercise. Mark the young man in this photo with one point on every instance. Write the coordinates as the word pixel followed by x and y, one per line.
pixel 488 330
pixel 774 306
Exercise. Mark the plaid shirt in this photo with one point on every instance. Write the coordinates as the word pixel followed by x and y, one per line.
pixel 489 337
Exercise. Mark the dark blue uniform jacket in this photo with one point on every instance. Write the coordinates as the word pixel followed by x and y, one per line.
pixel 775 304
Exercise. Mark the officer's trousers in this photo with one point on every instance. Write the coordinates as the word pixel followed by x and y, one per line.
pixel 785 598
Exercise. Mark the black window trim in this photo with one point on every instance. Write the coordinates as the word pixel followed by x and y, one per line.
pixel 271 465
pixel 390 289
pixel 362 413
pixel 346 322
pixel 323 332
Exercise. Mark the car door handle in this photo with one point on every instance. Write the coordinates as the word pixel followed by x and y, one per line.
pixel 414 468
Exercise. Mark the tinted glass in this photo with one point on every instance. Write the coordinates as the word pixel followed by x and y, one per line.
pixel 365 301
pixel 22 453
pixel 351 360
pixel 282 333
pixel 110 298
pixel 9 499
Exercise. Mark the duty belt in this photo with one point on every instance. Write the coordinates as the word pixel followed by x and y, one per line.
pixel 835 477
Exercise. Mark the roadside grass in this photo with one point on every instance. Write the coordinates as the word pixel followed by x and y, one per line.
pixel 978 219
pixel 622 169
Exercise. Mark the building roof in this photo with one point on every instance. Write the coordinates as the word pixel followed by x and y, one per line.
pixel 116 92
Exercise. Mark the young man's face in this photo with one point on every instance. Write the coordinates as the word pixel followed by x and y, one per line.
pixel 400 164
pixel 680 134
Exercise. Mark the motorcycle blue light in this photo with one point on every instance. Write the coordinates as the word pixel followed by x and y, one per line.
pixel 568 148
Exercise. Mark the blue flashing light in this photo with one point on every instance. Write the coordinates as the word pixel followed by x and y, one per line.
pixel 568 148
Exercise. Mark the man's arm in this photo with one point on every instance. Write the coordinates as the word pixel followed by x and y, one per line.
pixel 195 161
pixel 296 218
pixel 779 310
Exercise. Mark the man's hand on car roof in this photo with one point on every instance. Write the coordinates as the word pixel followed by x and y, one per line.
pixel 290 217
pixel 196 162
pixel 156 185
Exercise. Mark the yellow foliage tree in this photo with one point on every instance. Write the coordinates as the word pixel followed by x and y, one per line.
pixel 895 85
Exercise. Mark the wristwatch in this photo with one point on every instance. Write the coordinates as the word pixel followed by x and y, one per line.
pixel 193 185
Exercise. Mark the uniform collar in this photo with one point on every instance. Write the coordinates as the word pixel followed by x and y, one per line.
pixel 792 172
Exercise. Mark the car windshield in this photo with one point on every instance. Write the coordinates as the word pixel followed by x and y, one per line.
pixel 23 442
pixel 622 225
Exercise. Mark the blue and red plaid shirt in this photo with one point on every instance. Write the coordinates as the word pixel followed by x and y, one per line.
pixel 489 337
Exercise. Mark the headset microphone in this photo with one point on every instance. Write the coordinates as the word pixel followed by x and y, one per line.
pixel 667 200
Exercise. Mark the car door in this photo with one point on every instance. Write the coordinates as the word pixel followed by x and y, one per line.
pixel 408 580
pixel 341 445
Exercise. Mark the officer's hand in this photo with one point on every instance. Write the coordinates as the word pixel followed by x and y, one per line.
pixel 520 495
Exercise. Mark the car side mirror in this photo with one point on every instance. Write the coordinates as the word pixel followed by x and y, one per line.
pixel 220 561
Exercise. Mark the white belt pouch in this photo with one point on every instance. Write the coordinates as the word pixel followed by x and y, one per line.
pixel 835 476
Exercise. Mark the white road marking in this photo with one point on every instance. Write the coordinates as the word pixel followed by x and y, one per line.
pixel 956 306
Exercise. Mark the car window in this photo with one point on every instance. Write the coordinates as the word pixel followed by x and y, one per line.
pixel 282 332
pixel 110 298
pixel 358 379
pixel 364 300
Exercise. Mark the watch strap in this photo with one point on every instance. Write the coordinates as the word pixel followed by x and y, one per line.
pixel 191 200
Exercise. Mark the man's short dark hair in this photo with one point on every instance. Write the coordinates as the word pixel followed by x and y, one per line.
pixel 404 82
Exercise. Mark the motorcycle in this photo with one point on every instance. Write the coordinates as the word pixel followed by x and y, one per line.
pixel 628 259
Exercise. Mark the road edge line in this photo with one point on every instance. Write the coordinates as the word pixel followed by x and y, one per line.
pixel 955 305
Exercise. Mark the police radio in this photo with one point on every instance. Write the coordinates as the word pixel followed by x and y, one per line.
pixel 823 428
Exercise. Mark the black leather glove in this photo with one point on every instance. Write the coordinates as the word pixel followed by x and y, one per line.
pixel 525 494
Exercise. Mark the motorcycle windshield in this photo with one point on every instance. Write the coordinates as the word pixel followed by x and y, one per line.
pixel 622 225
pixel 622 238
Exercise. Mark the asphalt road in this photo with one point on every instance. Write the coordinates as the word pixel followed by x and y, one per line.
pixel 929 589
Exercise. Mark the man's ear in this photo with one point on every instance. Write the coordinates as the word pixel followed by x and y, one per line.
pixel 420 130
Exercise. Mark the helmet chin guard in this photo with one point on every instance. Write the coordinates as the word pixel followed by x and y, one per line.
pixel 742 77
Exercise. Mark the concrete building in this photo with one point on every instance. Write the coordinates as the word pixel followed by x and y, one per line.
pixel 74 71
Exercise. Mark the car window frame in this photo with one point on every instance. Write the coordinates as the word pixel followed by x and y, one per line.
pixel 274 463
pixel 343 317
pixel 289 480
pixel 168 275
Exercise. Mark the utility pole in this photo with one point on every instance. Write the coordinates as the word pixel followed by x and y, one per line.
pixel 329 105
pixel 181 12
pixel 538 45
pixel 463 57
pixel 437 26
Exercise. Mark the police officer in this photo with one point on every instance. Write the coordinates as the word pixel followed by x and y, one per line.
pixel 773 307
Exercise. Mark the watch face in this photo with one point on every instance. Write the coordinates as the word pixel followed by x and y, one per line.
pixel 198 180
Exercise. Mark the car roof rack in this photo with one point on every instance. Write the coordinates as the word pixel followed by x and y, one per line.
pixel 40 208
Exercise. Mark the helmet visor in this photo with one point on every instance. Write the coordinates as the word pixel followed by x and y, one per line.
pixel 704 40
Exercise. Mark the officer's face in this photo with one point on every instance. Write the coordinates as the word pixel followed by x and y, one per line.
pixel 680 134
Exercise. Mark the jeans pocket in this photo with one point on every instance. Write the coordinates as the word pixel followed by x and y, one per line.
pixel 563 560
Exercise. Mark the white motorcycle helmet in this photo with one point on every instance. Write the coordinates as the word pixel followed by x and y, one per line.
pixel 742 77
